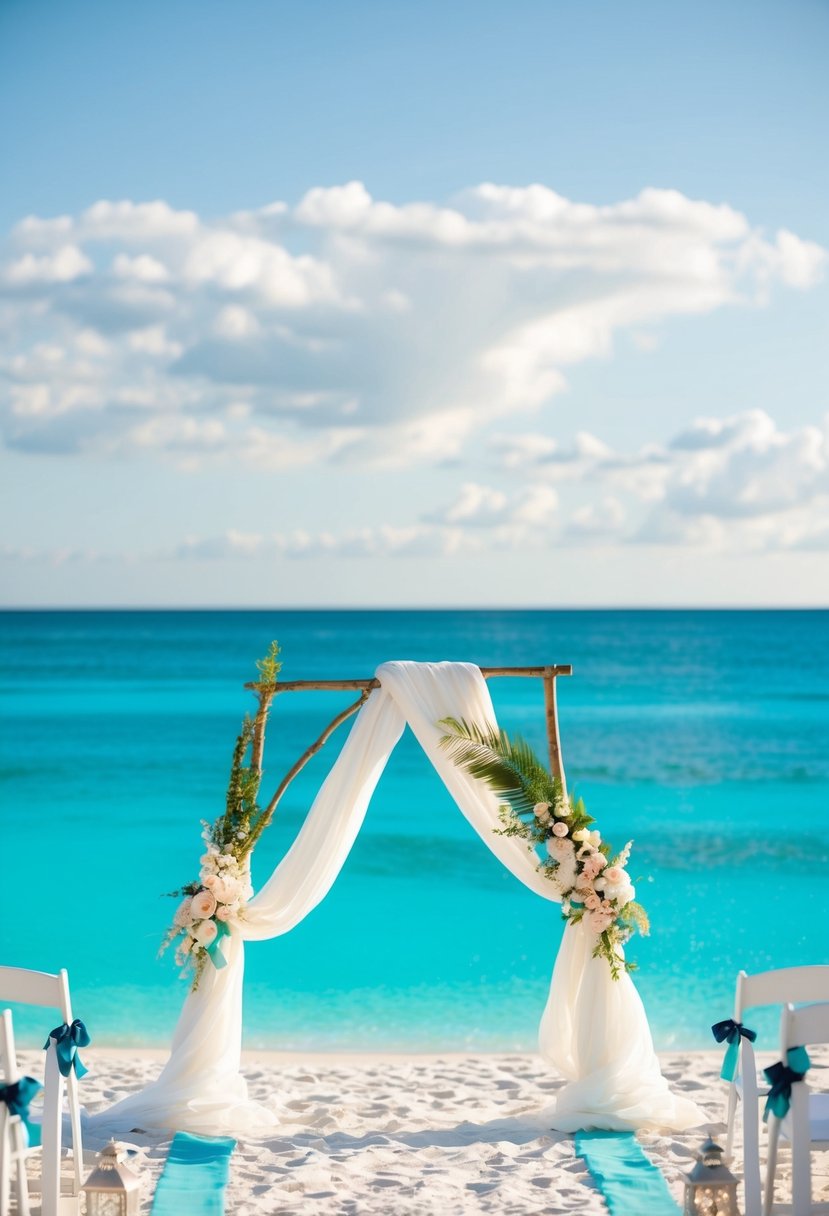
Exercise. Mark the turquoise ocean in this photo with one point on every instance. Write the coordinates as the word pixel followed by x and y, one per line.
pixel 703 735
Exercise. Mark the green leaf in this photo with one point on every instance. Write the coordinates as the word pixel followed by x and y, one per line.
pixel 509 767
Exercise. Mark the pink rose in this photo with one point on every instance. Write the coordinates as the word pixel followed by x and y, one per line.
pixel 210 880
pixel 615 875
pixel 222 913
pixel 541 810
pixel 592 902
pixel 560 829
pixel 600 920
pixel 203 905
pixel 589 868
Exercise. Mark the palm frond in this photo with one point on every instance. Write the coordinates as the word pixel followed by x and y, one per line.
pixel 510 767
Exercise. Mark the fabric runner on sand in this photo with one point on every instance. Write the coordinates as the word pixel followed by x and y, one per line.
pixel 195 1176
pixel 628 1180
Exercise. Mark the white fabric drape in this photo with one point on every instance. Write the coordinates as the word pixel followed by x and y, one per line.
pixel 594 1029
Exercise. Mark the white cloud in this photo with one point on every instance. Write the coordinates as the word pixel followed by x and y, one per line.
pixel 722 483
pixel 144 268
pixel 62 266
pixel 353 329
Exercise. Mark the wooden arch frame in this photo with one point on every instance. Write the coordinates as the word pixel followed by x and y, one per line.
pixel 265 693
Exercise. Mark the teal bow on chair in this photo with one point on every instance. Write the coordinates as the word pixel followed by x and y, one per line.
pixel 67 1041
pixel 781 1077
pixel 17 1096
pixel 732 1032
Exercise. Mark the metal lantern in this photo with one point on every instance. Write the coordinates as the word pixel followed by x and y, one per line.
pixel 710 1188
pixel 112 1189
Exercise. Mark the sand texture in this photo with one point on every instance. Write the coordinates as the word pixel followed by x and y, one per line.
pixel 411 1135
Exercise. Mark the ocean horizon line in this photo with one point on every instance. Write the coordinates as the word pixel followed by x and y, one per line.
pixel 402 608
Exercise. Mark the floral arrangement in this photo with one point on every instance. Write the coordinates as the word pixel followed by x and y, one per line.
pixel 212 906
pixel 592 882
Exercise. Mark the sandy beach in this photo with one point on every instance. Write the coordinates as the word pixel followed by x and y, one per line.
pixel 403 1135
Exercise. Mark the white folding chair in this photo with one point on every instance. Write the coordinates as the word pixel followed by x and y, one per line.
pixel 786 984
pixel 51 992
pixel 14 1145
pixel 806 1125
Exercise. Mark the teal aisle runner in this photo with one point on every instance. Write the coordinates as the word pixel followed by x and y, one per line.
pixel 195 1176
pixel 628 1180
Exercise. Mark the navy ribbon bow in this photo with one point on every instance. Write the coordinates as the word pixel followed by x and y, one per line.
pixel 781 1077
pixel 17 1096
pixel 67 1041
pixel 732 1032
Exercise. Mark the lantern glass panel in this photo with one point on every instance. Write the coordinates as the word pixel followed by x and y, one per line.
pixel 104 1204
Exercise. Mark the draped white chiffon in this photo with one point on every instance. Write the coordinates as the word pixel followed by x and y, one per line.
pixel 594 1029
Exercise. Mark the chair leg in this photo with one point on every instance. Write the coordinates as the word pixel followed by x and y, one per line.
pixel 4 1161
pixel 752 1181
pixel 771 1164
pixel 19 1144
pixel 77 1139
pixel 801 1172
pixel 730 1112
pixel 52 1132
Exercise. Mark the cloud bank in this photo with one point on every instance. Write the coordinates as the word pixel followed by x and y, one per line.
pixel 351 330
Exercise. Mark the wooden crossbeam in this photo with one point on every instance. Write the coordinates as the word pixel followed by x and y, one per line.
pixel 266 692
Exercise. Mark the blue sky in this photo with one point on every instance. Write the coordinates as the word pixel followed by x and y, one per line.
pixel 436 386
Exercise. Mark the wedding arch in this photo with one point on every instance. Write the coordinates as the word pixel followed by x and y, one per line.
pixel 594 1030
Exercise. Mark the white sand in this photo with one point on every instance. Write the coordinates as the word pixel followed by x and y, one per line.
pixel 405 1135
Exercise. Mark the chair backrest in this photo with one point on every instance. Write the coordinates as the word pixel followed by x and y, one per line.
pixel 803 1027
pixel 36 988
pixel 50 991
pixel 9 1068
pixel 780 987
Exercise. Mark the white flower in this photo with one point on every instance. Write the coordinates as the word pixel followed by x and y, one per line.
pixel 205 932
pixel 622 894
pixel 227 889
pixel 622 859
pixel 560 829
pixel 594 839
pixel 562 851
pixel 590 841
pixel 203 905
pixel 183 914
pixel 541 810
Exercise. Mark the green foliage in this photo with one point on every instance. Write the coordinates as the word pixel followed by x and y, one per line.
pixel 510 767
pixel 635 918
pixel 512 771
pixel 242 791
pixel 270 667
